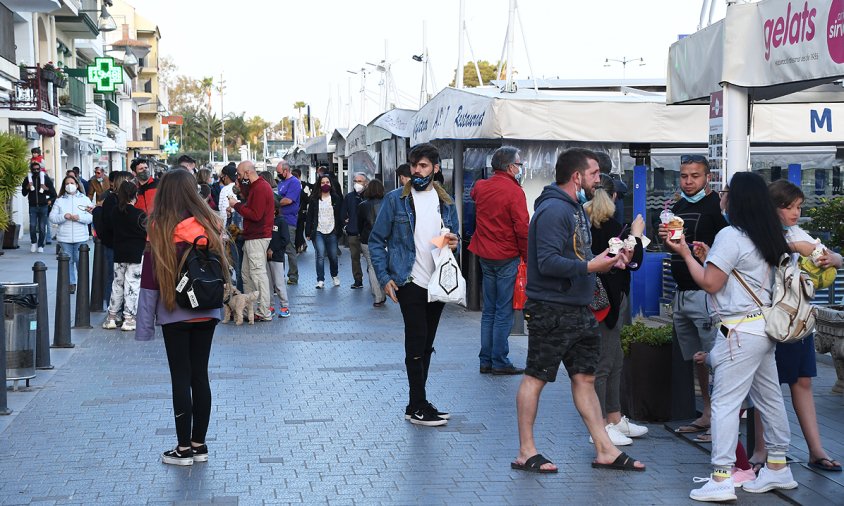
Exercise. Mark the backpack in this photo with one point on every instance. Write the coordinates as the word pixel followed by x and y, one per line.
pixel 791 315
pixel 201 282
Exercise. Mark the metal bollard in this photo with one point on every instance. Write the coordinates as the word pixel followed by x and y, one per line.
pixel 4 410
pixel 83 306
pixel 98 277
pixel 61 334
pixel 42 332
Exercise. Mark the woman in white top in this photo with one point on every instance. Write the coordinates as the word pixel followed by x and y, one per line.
pixel 72 213
pixel 743 356
pixel 323 226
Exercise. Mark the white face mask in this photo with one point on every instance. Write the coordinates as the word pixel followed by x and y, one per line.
pixel 70 188
pixel 358 187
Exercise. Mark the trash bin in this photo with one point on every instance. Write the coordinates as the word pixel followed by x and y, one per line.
pixel 19 305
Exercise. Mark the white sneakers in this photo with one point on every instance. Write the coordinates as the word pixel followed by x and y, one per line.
pixel 621 432
pixel 319 285
pixel 629 428
pixel 40 250
pixel 336 280
pixel 769 480
pixel 714 491
pixel 617 438
pixel 717 491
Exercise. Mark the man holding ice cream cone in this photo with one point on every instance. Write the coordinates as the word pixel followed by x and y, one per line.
pixel 697 215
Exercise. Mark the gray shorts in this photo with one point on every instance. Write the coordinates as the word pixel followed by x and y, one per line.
pixel 693 324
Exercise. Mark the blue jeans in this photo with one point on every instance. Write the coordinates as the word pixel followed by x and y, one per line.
pixel 72 250
pixel 325 243
pixel 38 224
pixel 497 316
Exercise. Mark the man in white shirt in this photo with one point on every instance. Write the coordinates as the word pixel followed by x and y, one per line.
pixel 227 177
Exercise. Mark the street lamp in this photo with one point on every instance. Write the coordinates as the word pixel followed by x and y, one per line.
pixel 623 61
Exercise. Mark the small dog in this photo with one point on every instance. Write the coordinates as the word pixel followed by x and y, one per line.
pixel 239 304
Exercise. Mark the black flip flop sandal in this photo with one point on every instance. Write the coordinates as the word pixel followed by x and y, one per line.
pixel 534 465
pixel 622 463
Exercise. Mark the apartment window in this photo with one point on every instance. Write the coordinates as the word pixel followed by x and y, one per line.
pixel 7 34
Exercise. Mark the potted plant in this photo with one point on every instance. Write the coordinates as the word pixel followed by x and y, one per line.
pixel 64 99
pixel 48 72
pixel 24 71
pixel 61 78
pixel 13 169
pixel 646 373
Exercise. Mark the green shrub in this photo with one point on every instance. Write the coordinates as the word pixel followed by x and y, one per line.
pixel 828 217
pixel 638 332
pixel 13 169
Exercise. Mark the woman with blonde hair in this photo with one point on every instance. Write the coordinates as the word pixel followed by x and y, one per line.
pixel 179 218
pixel 616 282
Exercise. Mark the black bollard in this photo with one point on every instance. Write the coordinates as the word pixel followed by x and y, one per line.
pixel 4 410
pixel 98 277
pixel 83 309
pixel 61 334
pixel 42 332
pixel 473 280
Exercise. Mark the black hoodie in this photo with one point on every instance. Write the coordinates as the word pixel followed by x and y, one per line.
pixel 559 248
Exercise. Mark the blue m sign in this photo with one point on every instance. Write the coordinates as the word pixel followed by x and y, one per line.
pixel 821 121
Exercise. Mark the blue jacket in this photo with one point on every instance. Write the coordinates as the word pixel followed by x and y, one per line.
pixel 391 245
pixel 559 248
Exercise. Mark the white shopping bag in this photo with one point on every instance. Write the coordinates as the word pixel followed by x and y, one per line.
pixel 447 283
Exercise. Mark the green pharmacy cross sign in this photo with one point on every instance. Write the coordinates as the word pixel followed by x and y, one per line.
pixel 104 74
pixel 171 147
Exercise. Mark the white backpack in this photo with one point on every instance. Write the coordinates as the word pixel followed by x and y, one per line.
pixel 791 315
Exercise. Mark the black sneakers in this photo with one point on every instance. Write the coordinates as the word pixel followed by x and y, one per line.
pixel 428 416
pixel 357 285
pixel 180 457
pixel 200 453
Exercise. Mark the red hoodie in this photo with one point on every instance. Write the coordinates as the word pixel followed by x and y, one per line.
pixel 258 211
pixel 501 227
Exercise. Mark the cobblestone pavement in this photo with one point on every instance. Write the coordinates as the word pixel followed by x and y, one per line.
pixel 309 410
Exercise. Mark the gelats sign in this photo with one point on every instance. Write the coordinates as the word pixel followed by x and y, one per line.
pixel 784 41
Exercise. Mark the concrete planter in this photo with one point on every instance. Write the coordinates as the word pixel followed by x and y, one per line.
pixel 829 338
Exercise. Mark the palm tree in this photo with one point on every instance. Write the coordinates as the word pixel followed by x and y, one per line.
pixel 206 85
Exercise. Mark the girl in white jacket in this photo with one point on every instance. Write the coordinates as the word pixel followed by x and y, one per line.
pixel 72 213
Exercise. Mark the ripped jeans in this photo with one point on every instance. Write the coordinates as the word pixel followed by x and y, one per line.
pixel 421 319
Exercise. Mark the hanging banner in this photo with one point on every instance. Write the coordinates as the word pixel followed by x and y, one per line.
pixel 453 114
pixel 717 138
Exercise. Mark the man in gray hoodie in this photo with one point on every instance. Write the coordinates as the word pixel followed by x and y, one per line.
pixel 560 287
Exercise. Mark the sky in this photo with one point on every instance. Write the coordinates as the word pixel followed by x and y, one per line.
pixel 273 53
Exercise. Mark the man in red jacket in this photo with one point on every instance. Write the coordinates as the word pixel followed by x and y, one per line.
pixel 499 241
pixel 147 185
pixel 257 213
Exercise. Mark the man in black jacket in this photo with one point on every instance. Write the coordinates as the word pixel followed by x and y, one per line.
pixel 38 188
pixel 350 222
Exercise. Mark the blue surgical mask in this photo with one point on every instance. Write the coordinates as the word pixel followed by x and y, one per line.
pixel 581 196
pixel 726 217
pixel 421 183
pixel 696 197
pixel 519 175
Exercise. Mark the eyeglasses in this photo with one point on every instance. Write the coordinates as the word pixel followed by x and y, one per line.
pixel 722 193
pixel 519 163
pixel 684 159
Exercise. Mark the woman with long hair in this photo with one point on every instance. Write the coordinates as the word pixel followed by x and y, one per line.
pixel 104 226
pixel 367 213
pixel 72 213
pixel 179 217
pixel 743 357
pixel 616 282
pixel 324 223
pixel 796 365
pixel 130 235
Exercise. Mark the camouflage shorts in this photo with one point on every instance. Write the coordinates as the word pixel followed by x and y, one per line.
pixel 560 333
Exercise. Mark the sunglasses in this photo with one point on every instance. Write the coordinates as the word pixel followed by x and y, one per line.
pixel 684 159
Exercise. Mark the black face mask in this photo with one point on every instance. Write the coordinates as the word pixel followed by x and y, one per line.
pixel 244 182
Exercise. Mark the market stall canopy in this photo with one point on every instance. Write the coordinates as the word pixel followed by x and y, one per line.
pixel 396 122
pixel 356 140
pixel 338 138
pixel 585 116
pixel 318 145
pixel 776 47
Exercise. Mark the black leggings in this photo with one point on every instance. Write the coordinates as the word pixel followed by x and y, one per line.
pixel 421 319
pixel 188 347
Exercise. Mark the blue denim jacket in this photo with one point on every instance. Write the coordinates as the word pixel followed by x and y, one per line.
pixel 391 245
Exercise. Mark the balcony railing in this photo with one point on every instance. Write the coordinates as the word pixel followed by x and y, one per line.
pixel 33 93
pixel 72 97
pixel 113 112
